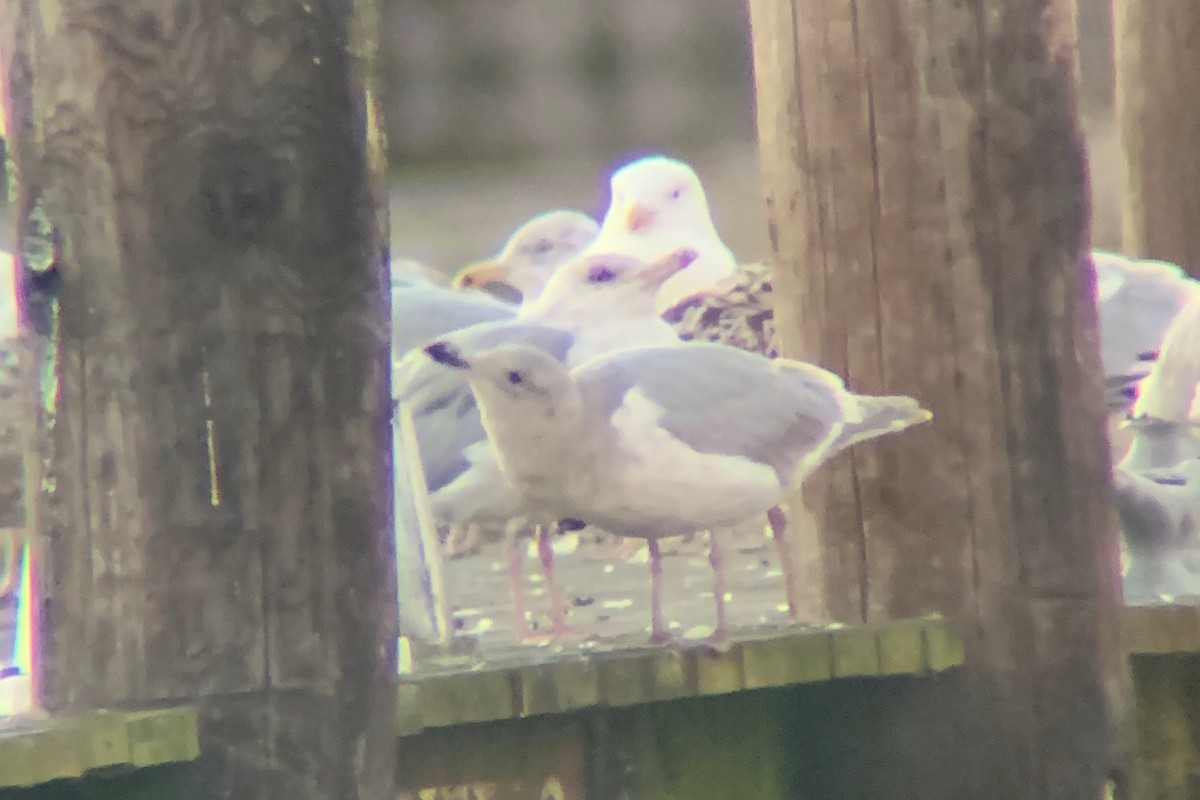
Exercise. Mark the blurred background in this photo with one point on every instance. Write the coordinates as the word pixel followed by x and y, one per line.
pixel 501 109
pixel 498 110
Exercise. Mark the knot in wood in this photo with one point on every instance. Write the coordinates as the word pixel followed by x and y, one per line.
pixel 241 191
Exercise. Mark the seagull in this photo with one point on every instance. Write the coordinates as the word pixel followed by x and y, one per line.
pixel 532 253
pixel 422 313
pixel 740 316
pixel 1136 301
pixel 658 205
pixel 1158 511
pixel 525 263
pixel 664 440
pixel 411 273
pixel 592 305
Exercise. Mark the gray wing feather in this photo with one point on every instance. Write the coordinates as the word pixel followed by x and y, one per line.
pixel 718 399
pixel 422 314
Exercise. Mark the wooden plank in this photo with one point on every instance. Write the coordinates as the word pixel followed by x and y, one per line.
pixel 1160 629
pixel 1154 48
pixel 902 647
pixel 636 677
pixel 558 687
pixel 221 439
pixel 720 672
pixel 925 180
pixel 943 646
pixel 779 662
pixel 409 719
pixel 626 680
pixel 856 652
pixel 37 751
pixel 671 675
pixel 467 697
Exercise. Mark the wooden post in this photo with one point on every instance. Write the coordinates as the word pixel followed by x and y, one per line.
pixel 925 174
pixel 222 534
pixel 1156 65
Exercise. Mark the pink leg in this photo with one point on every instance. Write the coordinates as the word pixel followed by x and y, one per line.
pixel 513 556
pixel 717 563
pixel 659 632
pixel 778 522
pixel 558 601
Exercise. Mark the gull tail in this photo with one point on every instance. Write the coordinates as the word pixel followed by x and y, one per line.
pixel 879 416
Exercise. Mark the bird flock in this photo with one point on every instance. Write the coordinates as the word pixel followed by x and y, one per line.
pixel 632 386
pixel 629 381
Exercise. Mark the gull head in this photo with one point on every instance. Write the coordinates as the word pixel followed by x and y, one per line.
pixel 656 194
pixel 609 285
pixel 517 385
pixel 532 253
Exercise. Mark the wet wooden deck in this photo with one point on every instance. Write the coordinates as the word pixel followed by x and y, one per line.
pixel 609 596
pixel 489 675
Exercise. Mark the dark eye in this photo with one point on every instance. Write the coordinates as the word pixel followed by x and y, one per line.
pixel 675 195
pixel 543 246
pixel 515 377
pixel 601 275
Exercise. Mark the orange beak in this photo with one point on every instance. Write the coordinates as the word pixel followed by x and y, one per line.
pixel 638 217
pixel 660 271
pixel 479 274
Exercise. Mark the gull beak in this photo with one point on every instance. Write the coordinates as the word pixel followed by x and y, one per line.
pixel 447 355
pixel 662 270
pixel 480 274
pixel 638 217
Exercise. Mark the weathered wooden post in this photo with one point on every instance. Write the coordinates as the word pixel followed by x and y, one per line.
pixel 222 531
pixel 925 180
pixel 1156 64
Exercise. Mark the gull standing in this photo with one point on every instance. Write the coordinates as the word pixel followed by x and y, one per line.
pixel 661 441
pixel 593 305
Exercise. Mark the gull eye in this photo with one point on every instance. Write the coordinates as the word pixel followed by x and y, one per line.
pixel 675 195
pixel 601 274
pixel 515 377
pixel 543 246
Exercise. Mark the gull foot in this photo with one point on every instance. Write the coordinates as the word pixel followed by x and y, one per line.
pixel 662 637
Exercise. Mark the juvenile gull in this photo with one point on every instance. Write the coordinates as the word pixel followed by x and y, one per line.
pixel 740 315
pixel 661 441
pixel 532 253
pixel 592 305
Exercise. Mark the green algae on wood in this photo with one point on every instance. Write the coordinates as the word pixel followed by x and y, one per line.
pixel 565 682
pixel 35 751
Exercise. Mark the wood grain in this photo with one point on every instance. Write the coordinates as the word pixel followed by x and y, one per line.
pixel 1155 56
pixel 925 180
pixel 206 167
